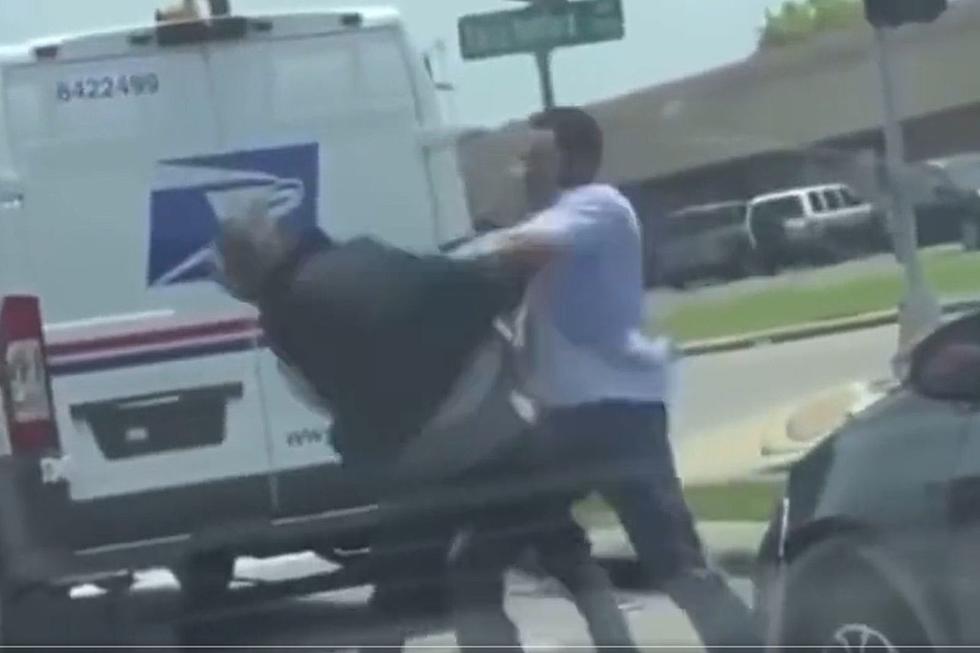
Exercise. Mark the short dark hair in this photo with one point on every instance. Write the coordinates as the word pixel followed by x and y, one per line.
pixel 578 137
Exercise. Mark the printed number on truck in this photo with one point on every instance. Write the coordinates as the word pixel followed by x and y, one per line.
pixel 307 437
pixel 108 87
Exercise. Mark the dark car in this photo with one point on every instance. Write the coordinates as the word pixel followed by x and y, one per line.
pixel 876 544
pixel 947 200
pixel 705 241
pixel 877 539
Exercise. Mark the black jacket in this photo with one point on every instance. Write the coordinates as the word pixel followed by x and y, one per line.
pixel 381 334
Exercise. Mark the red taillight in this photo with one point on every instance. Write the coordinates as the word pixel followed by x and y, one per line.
pixel 26 388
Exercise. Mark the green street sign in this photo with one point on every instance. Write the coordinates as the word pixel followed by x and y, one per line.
pixel 544 25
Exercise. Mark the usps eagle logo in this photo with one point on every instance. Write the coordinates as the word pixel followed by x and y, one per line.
pixel 191 196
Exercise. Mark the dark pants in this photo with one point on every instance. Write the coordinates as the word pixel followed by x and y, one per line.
pixel 493 542
pixel 481 524
pixel 621 450
pixel 412 587
pixel 537 517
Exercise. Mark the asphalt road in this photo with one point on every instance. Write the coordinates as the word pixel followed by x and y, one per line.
pixel 716 390
pixel 721 389
pixel 341 621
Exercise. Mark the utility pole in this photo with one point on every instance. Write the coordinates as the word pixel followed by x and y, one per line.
pixel 920 311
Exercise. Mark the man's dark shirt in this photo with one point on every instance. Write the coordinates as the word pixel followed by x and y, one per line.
pixel 381 334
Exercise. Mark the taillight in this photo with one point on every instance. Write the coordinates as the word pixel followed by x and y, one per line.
pixel 24 378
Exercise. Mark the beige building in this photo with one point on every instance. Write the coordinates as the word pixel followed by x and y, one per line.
pixel 778 118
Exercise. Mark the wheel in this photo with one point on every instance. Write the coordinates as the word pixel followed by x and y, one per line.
pixel 770 243
pixel 834 602
pixel 769 266
pixel 677 282
pixel 26 616
pixel 205 577
pixel 970 235
pixel 829 250
pixel 743 264
pixel 6 638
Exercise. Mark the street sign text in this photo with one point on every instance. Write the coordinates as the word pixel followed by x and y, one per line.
pixel 542 26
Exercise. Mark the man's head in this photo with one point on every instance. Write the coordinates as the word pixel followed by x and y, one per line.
pixel 248 249
pixel 564 151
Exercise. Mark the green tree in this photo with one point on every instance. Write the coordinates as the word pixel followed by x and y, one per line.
pixel 797 21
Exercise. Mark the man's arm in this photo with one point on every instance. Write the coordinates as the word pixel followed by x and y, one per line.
pixel 531 246
pixel 521 252
pixel 513 244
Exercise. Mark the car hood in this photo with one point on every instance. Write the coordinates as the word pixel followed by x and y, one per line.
pixel 872 469
pixel 890 404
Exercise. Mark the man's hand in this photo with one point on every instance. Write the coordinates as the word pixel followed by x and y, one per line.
pixel 528 252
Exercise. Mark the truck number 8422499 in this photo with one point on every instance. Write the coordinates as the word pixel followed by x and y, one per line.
pixel 107 87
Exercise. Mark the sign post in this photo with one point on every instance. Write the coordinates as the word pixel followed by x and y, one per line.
pixel 920 311
pixel 543 59
pixel 538 29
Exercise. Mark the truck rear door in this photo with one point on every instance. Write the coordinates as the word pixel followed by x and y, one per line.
pixel 330 109
pixel 119 146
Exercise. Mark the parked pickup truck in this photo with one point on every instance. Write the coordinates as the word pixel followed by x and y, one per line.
pixel 813 223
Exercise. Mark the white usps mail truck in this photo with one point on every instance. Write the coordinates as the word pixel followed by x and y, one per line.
pixel 144 423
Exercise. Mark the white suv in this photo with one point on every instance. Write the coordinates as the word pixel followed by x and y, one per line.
pixel 815 221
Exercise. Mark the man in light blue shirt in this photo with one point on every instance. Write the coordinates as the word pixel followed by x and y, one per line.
pixel 600 384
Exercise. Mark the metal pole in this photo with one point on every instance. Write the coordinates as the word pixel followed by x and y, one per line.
pixel 919 311
pixel 543 59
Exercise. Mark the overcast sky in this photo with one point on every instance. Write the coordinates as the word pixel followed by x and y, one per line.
pixel 665 39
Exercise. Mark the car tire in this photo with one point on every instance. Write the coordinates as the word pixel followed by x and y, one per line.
pixel 970 235
pixel 26 616
pixel 745 263
pixel 835 602
pixel 8 636
pixel 205 577
pixel 769 267
pixel 676 283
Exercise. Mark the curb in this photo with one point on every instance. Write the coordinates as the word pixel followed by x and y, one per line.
pixel 811 330
pixel 812 422
pixel 767 447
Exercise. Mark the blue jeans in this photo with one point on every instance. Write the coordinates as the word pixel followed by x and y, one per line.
pixel 620 450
